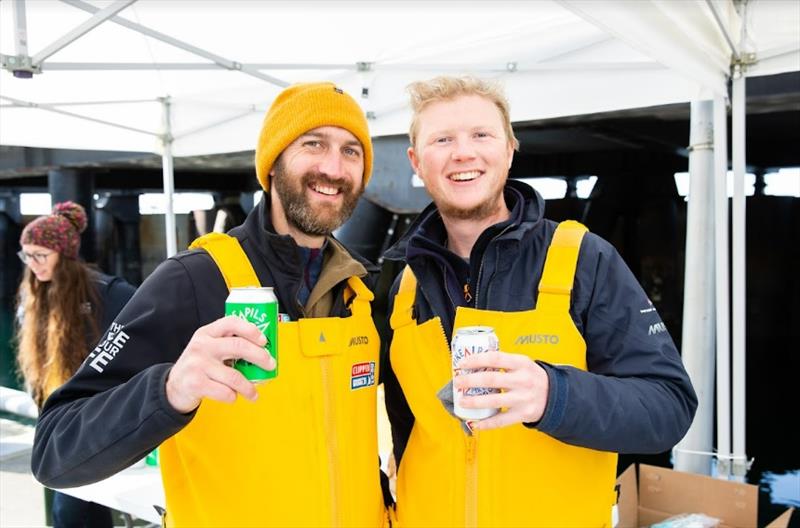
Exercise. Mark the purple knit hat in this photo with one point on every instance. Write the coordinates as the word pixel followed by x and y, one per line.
pixel 60 231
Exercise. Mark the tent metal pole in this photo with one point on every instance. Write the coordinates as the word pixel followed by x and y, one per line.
pixel 223 62
pixel 721 289
pixel 485 67
pixel 739 301
pixel 20 28
pixel 723 29
pixel 169 178
pixel 50 108
pixel 694 450
pixel 95 20
pixel 92 103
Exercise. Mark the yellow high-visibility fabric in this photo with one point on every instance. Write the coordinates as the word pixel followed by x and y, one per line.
pixel 303 454
pixel 230 259
pixel 512 476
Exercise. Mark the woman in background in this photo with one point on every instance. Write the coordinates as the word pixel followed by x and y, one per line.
pixel 64 307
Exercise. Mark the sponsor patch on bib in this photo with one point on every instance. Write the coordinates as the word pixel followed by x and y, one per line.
pixel 362 375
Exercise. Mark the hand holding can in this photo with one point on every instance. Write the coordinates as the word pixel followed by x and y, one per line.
pixel 201 371
pixel 521 388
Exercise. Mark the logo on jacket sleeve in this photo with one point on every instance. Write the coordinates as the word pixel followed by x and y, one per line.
pixel 362 375
pixel 108 348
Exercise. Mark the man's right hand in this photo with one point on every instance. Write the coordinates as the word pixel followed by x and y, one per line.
pixel 201 370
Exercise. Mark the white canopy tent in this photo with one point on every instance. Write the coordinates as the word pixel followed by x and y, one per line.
pixel 163 76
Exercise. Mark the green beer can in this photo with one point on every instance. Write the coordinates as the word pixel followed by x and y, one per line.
pixel 260 307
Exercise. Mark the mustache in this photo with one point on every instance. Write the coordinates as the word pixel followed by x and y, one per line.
pixel 317 177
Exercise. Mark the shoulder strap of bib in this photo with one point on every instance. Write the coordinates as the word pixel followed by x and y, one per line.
pixel 403 312
pixel 230 258
pixel 558 276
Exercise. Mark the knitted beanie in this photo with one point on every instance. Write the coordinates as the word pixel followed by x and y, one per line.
pixel 303 107
pixel 59 231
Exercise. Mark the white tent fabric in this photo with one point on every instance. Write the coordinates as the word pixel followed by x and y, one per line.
pixel 555 59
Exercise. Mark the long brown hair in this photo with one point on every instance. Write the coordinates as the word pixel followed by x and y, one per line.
pixel 59 324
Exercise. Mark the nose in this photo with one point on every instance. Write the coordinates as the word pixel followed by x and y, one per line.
pixel 463 150
pixel 332 164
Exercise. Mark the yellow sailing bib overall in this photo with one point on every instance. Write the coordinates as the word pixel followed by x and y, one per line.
pixel 513 476
pixel 305 453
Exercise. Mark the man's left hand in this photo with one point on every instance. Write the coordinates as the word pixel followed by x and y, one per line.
pixel 523 382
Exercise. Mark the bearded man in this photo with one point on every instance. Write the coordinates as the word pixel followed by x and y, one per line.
pixel 299 450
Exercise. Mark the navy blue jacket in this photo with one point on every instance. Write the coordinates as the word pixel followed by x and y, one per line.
pixel 635 397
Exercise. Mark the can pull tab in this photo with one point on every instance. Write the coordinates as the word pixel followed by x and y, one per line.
pixel 467 294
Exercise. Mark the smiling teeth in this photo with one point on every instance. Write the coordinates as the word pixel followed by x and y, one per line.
pixel 465 176
pixel 322 189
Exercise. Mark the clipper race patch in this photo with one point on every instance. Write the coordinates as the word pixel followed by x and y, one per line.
pixel 362 375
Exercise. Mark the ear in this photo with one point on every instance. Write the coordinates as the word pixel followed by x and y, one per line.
pixel 510 155
pixel 413 159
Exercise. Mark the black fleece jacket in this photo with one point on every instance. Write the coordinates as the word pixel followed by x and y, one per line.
pixel 115 410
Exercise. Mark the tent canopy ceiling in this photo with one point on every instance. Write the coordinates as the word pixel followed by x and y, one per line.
pixel 554 58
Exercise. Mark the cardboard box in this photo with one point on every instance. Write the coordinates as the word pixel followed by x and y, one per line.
pixel 662 493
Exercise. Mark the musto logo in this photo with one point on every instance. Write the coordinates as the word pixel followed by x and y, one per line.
pixel 537 339
pixel 362 375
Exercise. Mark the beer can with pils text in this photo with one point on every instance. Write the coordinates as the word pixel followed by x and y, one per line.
pixel 260 307
pixel 467 341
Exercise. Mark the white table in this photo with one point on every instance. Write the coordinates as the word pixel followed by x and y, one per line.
pixel 133 491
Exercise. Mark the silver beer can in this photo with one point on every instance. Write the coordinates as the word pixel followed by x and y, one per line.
pixel 467 341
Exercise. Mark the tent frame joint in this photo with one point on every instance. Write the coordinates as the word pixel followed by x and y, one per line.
pixel 740 64
pixel 21 66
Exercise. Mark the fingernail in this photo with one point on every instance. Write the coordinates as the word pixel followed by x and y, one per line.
pixel 262 339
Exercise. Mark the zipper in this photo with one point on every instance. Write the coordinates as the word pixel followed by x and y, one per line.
pixel 471 482
pixel 328 405
pixel 446 289
pixel 483 257
pixel 467 294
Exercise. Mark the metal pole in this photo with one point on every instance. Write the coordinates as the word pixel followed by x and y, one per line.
pixel 722 289
pixel 698 312
pixel 739 319
pixel 169 179
pixel 20 29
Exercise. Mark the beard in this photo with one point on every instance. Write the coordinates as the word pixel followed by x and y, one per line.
pixel 481 211
pixel 323 219
pixel 487 208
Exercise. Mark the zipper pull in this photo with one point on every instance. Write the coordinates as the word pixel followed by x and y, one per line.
pixel 467 294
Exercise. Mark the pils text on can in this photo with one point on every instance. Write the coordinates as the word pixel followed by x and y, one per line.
pixel 260 307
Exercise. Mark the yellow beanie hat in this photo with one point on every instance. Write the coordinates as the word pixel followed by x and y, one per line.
pixel 303 107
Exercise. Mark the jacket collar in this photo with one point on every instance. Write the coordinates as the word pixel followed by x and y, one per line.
pixel 428 228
